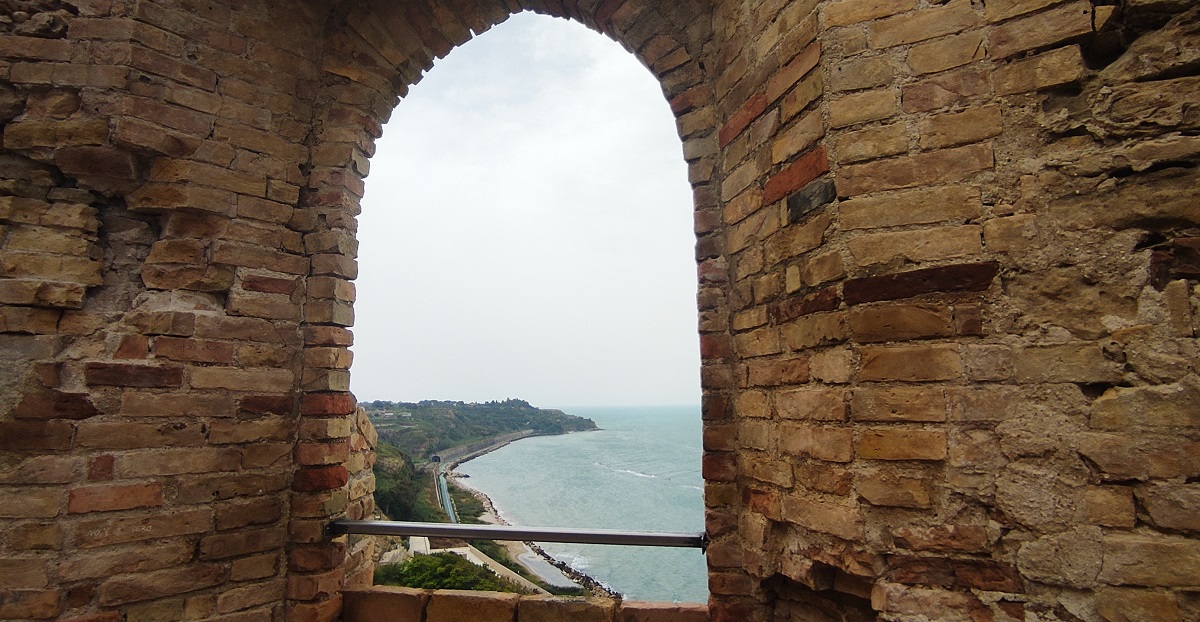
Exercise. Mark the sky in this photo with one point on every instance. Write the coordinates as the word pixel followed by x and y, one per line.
pixel 527 231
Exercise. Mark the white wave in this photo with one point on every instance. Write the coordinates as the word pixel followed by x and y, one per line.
pixel 636 473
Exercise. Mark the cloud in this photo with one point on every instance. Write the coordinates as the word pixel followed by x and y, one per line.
pixel 527 231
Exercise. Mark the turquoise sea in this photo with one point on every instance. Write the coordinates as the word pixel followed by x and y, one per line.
pixel 640 472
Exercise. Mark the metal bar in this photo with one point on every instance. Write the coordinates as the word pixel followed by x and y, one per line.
pixel 507 532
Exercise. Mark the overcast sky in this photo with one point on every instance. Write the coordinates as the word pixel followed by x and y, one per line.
pixel 527 231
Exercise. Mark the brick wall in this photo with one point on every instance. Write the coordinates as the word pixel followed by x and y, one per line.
pixel 948 264
pixel 944 302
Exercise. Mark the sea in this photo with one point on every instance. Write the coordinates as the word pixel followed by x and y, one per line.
pixel 639 472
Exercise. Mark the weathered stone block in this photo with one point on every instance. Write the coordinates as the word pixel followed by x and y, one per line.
pixel 1073 362
pixel 1175 405
pixel 1063 23
pixel 846 12
pixel 386 603
pixel 959 128
pixel 91 533
pixel 31 604
pixel 1129 605
pixel 887 489
pixel 1176 561
pixel 660 612
pixel 946 53
pixel 862 107
pixel 895 444
pixel 815 330
pixel 1050 69
pixel 238 379
pixel 871 143
pixel 932 167
pixel 455 605
pixel 1071 558
pixel 898 404
pixel 968 538
pixel 225 545
pixel 918 363
pixel 1172 506
pixel 148 586
pixel 953 17
pixel 861 73
pixel 823 443
pixel 843 521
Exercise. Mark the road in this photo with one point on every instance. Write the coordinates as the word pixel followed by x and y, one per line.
pixel 443 492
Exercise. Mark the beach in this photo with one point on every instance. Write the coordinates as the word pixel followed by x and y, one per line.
pixel 639 472
pixel 528 554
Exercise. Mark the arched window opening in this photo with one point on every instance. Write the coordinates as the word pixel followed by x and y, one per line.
pixel 527 233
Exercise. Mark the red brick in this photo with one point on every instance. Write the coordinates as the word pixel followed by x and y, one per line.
pixel 30 604
pixel 193 350
pixel 114 497
pixel 969 538
pixel 101 468
pixel 796 175
pixel 798 306
pixel 741 119
pixel 36 435
pixel 632 611
pixel 318 479
pixel 267 404
pixel 55 405
pixel 269 285
pixel 328 404
pixel 956 278
pixel 102 162
pixel 719 467
pixel 133 347
pixel 317 557
pixel 781 372
pixel 126 375
pixel 715 347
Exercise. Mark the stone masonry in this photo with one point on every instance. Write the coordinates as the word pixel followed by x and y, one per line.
pixel 949 264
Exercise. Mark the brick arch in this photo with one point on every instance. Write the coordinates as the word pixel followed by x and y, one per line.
pixel 375 52
pixel 875 183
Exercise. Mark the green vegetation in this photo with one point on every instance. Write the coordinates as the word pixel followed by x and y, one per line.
pixel 408 434
pixel 441 571
pixel 401 491
pixel 424 428
pixel 497 552
pixel 469 507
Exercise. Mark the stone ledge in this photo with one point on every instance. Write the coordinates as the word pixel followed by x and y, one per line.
pixel 400 604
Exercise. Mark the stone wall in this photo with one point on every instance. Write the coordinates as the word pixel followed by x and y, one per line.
pixel 948 261
pixel 399 604
pixel 961 356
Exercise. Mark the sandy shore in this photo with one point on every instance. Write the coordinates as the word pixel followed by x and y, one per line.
pixel 517 549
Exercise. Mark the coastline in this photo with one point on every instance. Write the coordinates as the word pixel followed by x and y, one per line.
pixel 491 515
pixel 497 442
